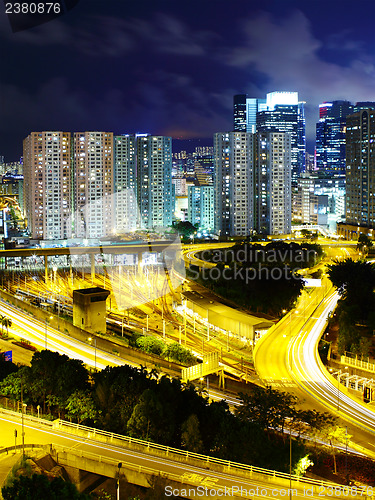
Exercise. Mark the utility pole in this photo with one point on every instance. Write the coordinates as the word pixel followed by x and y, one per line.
pixel 22 421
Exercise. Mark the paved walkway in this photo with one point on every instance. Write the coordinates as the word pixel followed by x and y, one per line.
pixel 6 464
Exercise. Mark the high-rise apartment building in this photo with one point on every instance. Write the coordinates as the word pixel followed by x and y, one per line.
pixel 330 136
pixel 233 181
pixel 93 184
pixel 47 177
pixel 320 199
pixel 360 169
pixel 273 183
pixel 201 209
pixel 154 181
pixel 126 208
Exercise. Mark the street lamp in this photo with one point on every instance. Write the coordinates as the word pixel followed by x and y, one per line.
pixel 51 317
pixel 118 481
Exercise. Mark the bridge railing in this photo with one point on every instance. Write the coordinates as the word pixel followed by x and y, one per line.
pixel 204 460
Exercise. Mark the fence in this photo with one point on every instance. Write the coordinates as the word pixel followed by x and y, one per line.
pixel 358 363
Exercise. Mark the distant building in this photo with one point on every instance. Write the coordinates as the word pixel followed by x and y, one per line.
pixel 278 112
pixel 201 209
pixel 285 113
pixel 239 113
pixel 330 136
pixel 320 200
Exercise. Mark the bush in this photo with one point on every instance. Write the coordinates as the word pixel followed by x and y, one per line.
pixel 176 352
pixel 150 345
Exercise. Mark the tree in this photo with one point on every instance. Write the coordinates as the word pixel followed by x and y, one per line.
pixel 38 487
pixel 11 385
pixel 185 228
pixel 191 436
pixel 266 407
pixel 178 353
pixel 156 491
pixel 81 406
pixel 7 322
pixel 55 374
pixel 149 421
pixel 2 318
pixel 364 243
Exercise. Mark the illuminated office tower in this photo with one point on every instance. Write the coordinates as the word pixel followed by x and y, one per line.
pixel 273 187
pixel 278 112
pixel 239 112
pixel 233 181
pixel 154 181
pixel 245 111
pixel 94 184
pixel 330 136
pixel 47 177
pixel 285 113
pixel 126 209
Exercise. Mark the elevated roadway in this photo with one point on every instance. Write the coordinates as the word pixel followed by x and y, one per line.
pixel 102 452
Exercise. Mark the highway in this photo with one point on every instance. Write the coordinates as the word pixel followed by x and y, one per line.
pixel 43 336
pixel 256 485
pixel 287 358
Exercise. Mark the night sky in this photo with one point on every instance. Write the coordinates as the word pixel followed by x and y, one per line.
pixel 172 67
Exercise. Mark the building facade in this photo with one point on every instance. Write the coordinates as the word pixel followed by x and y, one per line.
pixel 360 169
pixel 125 199
pixel 278 112
pixel 233 181
pixel 273 183
pixel 47 177
pixel 285 113
pixel 330 136
pixel 93 185
pixel 155 196
pixel 201 209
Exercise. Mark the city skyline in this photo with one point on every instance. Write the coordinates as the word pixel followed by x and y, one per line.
pixel 173 69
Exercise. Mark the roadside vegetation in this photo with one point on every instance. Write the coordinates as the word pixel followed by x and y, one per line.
pixel 263 278
pixel 140 403
pixel 355 313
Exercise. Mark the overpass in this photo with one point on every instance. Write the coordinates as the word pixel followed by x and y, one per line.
pixel 101 452
pixel 169 249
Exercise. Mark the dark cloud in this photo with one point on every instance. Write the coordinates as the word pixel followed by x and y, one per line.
pixel 174 70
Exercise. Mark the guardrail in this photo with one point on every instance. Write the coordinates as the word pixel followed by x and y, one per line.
pixel 6 450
